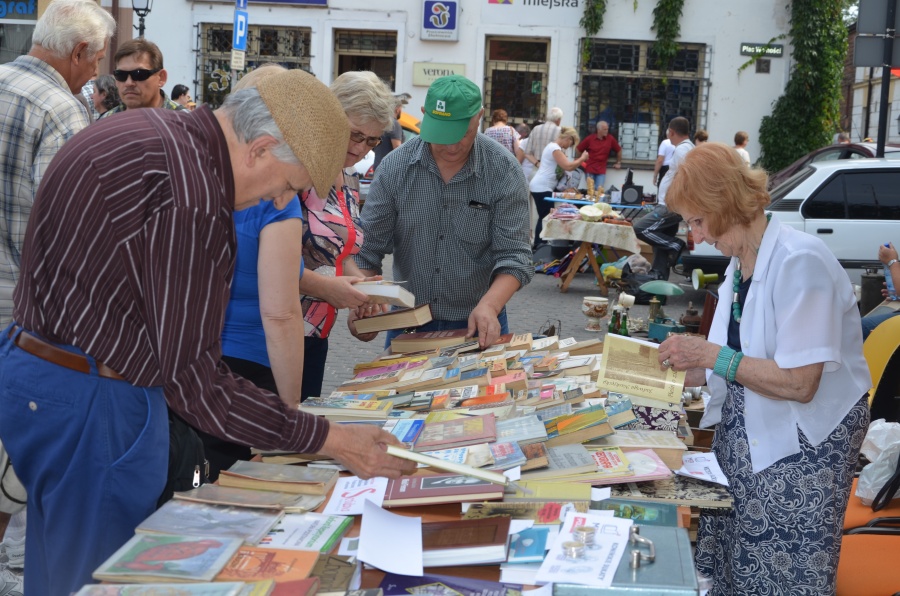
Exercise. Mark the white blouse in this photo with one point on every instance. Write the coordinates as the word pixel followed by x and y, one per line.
pixel 800 310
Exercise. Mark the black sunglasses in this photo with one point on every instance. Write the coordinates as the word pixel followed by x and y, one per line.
pixel 137 75
pixel 358 137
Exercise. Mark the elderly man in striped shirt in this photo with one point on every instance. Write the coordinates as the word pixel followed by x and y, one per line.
pixel 119 310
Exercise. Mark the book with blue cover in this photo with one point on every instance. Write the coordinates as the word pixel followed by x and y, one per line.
pixel 529 545
pixel 507 455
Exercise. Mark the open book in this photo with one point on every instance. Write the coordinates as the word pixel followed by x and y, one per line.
pixel 631 366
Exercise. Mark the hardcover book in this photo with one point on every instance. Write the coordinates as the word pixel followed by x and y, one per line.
pixel 443 585
pixel 464 542
pixel 430 340
pixel 439 488
pixel 581 426
pixel 386 292
pixel 457 433
pixel 396 319
pixel 154 557
pixel 307 531
pixel 297 587
pixel 529 545
pixel 253 564
pixel 210 521
pixel 289 479
pixel 619 409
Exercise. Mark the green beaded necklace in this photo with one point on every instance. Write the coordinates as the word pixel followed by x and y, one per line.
pixel 736 284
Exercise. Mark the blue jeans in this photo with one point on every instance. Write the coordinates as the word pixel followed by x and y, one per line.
pixel 92 453
pixel 599 179
pixel 870 322
pixel 446 326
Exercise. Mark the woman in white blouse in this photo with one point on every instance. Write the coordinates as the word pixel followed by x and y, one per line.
pixel 788 380
pixel 545 178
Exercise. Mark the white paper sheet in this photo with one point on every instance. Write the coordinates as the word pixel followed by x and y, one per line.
pixel 350 493
pixel 703 466
pixel 405 535
pixel 600 493
pixel 600 561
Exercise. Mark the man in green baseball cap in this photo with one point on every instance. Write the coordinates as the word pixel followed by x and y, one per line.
pixel 452 207
pixel 449 106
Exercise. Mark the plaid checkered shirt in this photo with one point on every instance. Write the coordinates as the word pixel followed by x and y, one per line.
pixel 38 113
pixel 448 240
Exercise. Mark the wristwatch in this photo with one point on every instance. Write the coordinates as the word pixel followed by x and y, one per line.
pixel 891 263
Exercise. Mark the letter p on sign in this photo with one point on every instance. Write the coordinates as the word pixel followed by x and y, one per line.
pixel 239 41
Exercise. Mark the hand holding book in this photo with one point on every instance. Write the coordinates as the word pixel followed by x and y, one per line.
pixel 362 449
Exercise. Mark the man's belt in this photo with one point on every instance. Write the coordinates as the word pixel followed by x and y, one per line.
pixel 45 351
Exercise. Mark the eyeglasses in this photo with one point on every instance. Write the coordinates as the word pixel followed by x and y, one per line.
pixel 358 137
pixel 137 75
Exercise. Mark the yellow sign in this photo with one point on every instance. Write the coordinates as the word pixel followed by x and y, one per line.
pixel 425 73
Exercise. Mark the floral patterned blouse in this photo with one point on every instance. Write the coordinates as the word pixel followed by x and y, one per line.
pixel 331 234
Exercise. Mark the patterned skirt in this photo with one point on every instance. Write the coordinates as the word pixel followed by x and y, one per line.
pixel 783 534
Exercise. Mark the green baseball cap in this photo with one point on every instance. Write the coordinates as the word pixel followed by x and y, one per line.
pixel 449 105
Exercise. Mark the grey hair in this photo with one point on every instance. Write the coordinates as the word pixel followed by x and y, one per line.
pixel 555 115
pixel 66 23
pixel 599 122
pixel 365 97
pixel 251 119
pixel 106 84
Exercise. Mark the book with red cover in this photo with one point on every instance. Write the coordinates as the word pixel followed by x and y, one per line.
pixel 299 587
pixel 464 541
pixel 457 432
pixel 439 488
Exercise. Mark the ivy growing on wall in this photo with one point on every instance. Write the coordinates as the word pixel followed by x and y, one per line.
pixel 667 24
pixel 808 114
pixel 591 21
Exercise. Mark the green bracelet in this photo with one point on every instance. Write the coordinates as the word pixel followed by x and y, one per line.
pixel 724 358
pixel 733 366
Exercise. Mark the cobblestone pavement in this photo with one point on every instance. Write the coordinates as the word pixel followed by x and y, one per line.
pixel 530 310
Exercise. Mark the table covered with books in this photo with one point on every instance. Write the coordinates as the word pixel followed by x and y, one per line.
pixel 588 233
pixel 542 484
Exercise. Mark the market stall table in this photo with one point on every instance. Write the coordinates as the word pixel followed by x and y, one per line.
pixel 588 234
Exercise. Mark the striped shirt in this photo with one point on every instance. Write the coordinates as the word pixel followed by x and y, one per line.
pixel 541 136
pixel 129 256
pixel 448 240
pixel 38 113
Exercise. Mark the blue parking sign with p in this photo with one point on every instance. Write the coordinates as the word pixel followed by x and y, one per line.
pixel 239 41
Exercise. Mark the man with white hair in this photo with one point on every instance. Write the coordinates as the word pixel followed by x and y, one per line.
pixel 125 278
pixel 40 111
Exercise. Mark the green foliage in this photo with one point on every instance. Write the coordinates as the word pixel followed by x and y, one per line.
pixel 591 21
pixel 808 114
pixel 667 24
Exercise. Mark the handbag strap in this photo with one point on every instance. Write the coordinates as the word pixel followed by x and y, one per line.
pixel 6 469
pixel 887 491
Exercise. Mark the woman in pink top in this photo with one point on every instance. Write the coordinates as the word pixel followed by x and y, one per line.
pixel 331 234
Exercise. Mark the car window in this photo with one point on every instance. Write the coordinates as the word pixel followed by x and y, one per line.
pixel 828 155
pixel 873 195
pixel 827 202
pixel 854 155
pixel 782 190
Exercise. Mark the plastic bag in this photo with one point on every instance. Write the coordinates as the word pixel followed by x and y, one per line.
pixel 882 447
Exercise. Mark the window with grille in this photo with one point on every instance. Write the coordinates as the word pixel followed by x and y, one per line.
pixel 287 46
pixel 516 73
pixel 357 49
pixel 620 82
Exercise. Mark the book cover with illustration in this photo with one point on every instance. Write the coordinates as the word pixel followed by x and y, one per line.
pixel 253 564
pixel 457 433
pixel 153 557
pixel 210 521
pixel 439 488
pixel 292 479
pixel 180 589
pixel 307 531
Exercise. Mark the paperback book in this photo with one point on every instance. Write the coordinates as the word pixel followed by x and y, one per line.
pixel 563 460
pixel 667 446
pixel 529 545
pixel 523 430
pixel 336 573
pixel 307 531
pixel 506 455
pixel 158 557
pixel 642 512
pixel 339 408
pixel 457 433
pixel 274 477
pixel 210 521
pixel 631 366
pixel 254 564
pixel 214 494
pixel 181 589
pixel 535 457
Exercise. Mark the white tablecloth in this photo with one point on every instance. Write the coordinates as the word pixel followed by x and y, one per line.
pixel 617 236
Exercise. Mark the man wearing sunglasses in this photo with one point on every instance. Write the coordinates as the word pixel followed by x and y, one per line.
pixel 140 77
pixel 40 111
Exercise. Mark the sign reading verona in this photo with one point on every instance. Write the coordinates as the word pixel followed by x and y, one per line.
pixel 425 73
pixel 773 50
